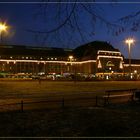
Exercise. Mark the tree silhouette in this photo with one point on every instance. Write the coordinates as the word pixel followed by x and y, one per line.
pixel 131 22
pixel 68 21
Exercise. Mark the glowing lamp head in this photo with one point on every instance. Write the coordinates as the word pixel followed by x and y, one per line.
pixel 129 41
pixel 135 71
pixel 3 27
pixel 71 57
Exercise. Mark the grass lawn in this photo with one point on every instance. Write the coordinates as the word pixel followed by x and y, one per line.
pixel 50 88
pixel 118 120
pixel 13 91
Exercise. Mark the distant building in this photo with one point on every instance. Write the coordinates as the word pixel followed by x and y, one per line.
pixel 96 58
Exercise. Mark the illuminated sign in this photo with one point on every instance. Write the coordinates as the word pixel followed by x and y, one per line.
pixel 109 64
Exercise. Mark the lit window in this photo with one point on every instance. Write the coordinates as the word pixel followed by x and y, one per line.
pixel 22 57
pixel 55 58
pixel 51 58
pixel 11 57
pixel 26 57
pixel 41 58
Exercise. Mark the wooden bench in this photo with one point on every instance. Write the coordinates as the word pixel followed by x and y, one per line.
pixel 117 98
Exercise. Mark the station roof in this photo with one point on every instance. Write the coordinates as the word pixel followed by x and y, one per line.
pixel 89 50
pixel 33 51
pixel 83 52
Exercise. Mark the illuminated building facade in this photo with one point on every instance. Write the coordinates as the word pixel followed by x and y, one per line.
pixel 96 58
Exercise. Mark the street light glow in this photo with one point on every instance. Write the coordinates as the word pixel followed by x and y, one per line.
pixel 129 41
pixel 3 27
pixel 70 57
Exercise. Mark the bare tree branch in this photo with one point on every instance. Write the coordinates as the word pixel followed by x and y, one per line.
pixel 132 21
pixel 58 27
pixel 67 20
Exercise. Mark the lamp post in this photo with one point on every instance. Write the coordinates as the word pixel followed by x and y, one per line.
pixel 73 68
pixel 3 28
pixel 129 42
pixel 71 59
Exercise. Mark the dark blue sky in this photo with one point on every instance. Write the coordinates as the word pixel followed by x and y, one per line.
pixel 22 16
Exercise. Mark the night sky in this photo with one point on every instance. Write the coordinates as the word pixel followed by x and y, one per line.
pixel 23 16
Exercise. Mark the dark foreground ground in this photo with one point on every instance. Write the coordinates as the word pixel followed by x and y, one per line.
pixel 121 120
pixel 111 121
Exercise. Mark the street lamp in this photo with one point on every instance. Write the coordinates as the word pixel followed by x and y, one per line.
pixel 70 59
pixel 129 42
pixel 3 28
pixel 73 67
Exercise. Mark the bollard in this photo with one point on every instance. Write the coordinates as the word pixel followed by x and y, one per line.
pixel 132 97
pixel 96 103
pixel 21 105
pixel 104 101
pixel 107 101
pixel 62 102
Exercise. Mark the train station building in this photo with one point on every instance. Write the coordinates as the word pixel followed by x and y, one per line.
pixel 96 59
